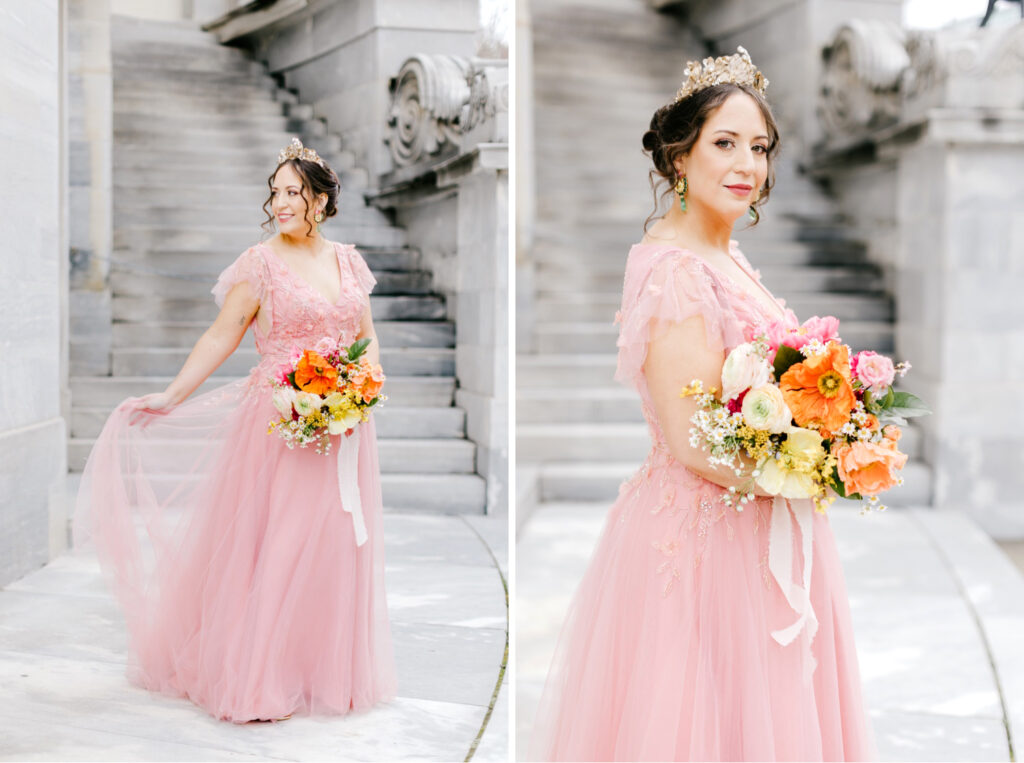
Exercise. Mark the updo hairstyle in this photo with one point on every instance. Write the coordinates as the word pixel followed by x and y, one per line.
pixel 675 128
pixel 315 181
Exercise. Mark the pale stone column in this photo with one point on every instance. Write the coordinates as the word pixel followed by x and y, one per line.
pixel 90 184
pixel 526 177
pixel 32 430
pixel 481 316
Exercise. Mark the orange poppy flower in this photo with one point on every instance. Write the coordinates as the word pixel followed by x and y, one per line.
pixel 373 384
pixel 867 467
pixel 314 374
pixel 818 390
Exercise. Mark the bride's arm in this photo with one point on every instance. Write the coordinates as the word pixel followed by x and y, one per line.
pixel 366 330
pixel 212 349
pixel 679 355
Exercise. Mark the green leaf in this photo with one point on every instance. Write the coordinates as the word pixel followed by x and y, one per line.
pixel 785 357
pixel 358 348
pixel 907 405
pixel 291 378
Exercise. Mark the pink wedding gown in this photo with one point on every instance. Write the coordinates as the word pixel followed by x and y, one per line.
pixel 668 650
pixel 236 565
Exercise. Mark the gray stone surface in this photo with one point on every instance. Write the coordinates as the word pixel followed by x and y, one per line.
pixel 936 610
pixel 33 372
pixel 62 652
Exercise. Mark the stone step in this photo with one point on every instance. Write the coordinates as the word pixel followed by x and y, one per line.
pixel 154 238
pixel 161 57
pixel 134 196
pixel 210 263
pixel 784 280
pixel 253 173
pixel 154 105
pixel 107 392
pixel 561 441
pixel 225 141
pixel 218 122
pixel 243 211
pixel 189 86
pixel 166 361
pixel 184 334
pixel 402 456
pixel 393 422
pixel 435 493
pixel 612 405
pixel 597 307
pixel 135 309
pixel 589 338
pixel 567 371
pixel 125 284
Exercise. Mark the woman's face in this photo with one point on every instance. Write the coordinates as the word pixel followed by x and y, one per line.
pixel 728 165
pixel 289 207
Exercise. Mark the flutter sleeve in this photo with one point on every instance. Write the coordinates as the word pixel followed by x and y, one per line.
pixel 251 268
pixel 360 269
pixel 675 288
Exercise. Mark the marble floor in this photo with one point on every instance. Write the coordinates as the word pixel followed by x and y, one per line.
pixel 65 696
pixel 938 614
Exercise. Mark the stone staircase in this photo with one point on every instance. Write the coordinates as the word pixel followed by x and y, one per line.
pixel 197 129
pixel 601 68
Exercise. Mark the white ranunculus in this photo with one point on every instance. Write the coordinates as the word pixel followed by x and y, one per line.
pixel 744 368
pixel 283 399
pixel 307 403
pixel 764 408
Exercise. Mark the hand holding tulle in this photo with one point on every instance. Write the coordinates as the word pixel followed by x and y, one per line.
pixel 153 404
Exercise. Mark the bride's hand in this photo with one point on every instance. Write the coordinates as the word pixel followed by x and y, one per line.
pixel 153 404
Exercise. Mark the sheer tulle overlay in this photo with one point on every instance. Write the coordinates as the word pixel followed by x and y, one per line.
pixel 236 566
pixel 667 652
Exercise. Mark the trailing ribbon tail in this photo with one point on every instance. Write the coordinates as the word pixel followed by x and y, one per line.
pixel 780 562
pixel 348 482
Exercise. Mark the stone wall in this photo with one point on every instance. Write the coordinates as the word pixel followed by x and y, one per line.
pixel 340 55
pixel 33 274
pixel 932 169
pixel 785 38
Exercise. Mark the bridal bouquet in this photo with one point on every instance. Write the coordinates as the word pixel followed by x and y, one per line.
pixel 325 391
pixel 817 420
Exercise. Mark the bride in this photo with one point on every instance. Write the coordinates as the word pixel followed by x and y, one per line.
pixel 670 650
pixel 257 587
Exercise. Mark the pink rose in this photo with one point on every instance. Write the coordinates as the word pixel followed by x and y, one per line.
pixel 326 346
pixel 823 329
pixel 874 371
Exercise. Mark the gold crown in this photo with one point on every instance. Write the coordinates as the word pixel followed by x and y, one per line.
pixel 296 151
pixel 737 69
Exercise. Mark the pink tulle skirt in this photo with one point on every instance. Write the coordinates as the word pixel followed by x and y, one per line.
pixel 242 585
pixel 667 652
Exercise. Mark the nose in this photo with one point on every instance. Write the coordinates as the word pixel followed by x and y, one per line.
pixel 745 161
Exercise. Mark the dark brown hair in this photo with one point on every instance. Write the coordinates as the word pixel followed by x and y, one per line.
pixel 315 181
pixel 675 128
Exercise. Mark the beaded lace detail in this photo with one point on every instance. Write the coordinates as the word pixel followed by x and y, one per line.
pixel 298 314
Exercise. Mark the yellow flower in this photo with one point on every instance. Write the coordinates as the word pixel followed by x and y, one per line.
pixel 793 473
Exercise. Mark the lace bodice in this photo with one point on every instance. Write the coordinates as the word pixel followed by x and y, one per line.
pixel 664 284
pixel 298 315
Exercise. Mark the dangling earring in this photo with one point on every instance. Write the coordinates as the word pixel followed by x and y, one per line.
pixel 752 213
pixel 318 218
pixel 681 188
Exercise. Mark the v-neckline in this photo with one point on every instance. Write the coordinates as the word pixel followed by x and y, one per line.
pixel 291 271
pixel 732 281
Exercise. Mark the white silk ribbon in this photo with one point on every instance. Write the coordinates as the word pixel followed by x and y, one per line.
pixel 780 562
pixel 348 482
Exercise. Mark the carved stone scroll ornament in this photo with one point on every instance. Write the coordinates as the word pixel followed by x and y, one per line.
pixel 435 99
pixel 863 72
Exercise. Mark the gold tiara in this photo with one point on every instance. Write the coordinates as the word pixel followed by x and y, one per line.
pixel 737 69
pixel 296 151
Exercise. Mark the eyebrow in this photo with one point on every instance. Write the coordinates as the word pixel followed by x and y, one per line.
pixel 736 134
pixel 287 186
